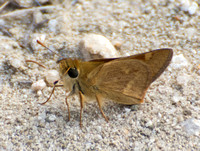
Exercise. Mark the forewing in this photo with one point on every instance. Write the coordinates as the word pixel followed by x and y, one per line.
pixel 127 77
pixel 157 60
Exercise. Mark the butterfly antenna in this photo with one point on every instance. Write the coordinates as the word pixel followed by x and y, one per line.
pixel 39 42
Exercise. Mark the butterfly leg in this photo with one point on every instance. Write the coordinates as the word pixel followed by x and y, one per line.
pixel 81 103
pixel 100 104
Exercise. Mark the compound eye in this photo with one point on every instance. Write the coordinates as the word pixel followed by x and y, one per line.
pixel 73 72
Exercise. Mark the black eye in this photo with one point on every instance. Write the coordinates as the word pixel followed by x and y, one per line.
pixel 73 72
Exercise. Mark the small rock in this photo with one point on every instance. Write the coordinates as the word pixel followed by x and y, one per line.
pixel 191 126
pixel 16 63
pixel 149 123
pixel 98 128
pixel 51 118
pixel 39 93
pixel 2 22
pixel 97 46
pixel 177 99
pixel 188 6
pixel 185 4
pixel 187 112
pixel 53 25
pixel 38 85
pixel 179 61
pixel 127 110
pixel 34 38
pixel 193 8
pixel 51 76
pixel 38 16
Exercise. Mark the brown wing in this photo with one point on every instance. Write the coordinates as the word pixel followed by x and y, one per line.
pixel 126 79
pixel 123 80
pixel 157 60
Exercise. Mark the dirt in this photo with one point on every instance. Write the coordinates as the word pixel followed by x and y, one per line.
pixel 169 118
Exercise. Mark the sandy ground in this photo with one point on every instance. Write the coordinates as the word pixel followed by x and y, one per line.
pixel 169 119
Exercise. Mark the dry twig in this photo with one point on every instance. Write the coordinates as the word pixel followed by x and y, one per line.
pixel 23 12
pixel 4 5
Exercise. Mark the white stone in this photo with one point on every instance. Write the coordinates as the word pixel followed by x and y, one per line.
pixel 39 93
pixel 16 63
pixel 149 123
pixel 34 38
pixel 97 46
pixel 38 85
pixel 191 126
pixel 185 4
pixel 127 110
pixel 179 61
pixel 193 8
pixel 53 25
pixel 51 76
pixel 2 22
pixel 52 118
pixel 189 6
pixel 177 98
pixel 38 16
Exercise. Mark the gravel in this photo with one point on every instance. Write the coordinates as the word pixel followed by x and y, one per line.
pixel 167 120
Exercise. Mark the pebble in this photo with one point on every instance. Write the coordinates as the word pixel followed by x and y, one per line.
pixel 51 76
pixel 191 126
pixel 16 63
pixel 97 46
pixel 179 61
pixel 177 99
pixel 187 112
pixel 38 16
pixel 51 118
pixel 38 85
pixel 127 110
pixel 34 38
pixel 189 6
pixel 193 8
pixel 149 123
pixel 99 129
pixel 53 25
pixel 2 22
